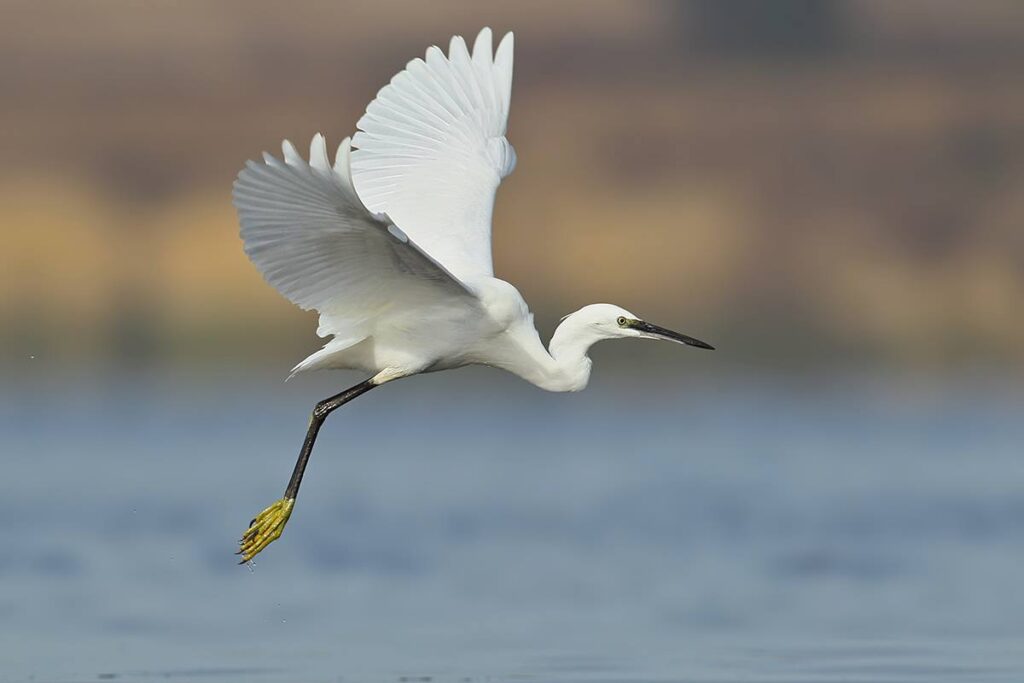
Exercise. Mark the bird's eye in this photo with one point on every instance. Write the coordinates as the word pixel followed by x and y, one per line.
pixel 621 320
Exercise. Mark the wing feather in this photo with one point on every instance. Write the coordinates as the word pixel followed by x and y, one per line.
pixel 308 233
pixel 431 150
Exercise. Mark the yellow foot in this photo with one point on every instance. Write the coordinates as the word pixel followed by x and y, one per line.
pixel 265 529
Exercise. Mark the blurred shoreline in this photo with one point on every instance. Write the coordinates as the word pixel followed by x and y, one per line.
pixel 840 191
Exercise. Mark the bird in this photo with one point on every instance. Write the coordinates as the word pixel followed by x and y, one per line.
pixel 391 244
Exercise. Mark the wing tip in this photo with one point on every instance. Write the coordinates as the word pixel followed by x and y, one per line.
pixel 318 159
pixel 343 157
pixel 508 39
pixel 457 46
pixel 484 42
pixel 291 154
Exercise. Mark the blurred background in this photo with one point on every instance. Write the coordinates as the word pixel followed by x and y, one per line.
pixel 810 183
pixel 830 192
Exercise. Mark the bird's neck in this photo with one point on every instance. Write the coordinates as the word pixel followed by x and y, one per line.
pixel 562 366
pixel 569 367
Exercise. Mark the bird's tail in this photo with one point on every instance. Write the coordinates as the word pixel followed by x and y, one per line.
pixel 327 357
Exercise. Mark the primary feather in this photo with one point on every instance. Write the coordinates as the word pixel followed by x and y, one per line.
pixel 431 150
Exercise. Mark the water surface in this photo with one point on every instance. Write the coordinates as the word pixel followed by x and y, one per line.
pixel 470 528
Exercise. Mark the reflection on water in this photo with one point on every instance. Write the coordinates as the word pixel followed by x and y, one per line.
pixel 495 532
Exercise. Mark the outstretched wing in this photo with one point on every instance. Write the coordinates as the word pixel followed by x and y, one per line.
pixel 431 150
pixel 311 237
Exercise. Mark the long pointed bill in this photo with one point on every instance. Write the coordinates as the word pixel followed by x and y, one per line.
pixel 662 333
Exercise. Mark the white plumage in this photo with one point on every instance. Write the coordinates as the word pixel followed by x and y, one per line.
pixel 431 150
pixel 392 245
pixel 307 231
pixel 392 242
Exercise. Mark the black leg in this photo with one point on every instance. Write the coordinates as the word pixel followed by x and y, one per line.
pixel 268 525
pixel 320 412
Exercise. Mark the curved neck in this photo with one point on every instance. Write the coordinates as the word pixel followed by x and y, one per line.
pixel 572 340
pixel 564 365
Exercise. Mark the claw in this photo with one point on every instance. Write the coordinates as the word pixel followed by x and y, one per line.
pixel 264 529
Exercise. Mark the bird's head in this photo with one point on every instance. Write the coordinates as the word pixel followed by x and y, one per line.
pixel 607 321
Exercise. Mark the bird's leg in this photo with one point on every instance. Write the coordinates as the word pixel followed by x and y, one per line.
pixel 268 524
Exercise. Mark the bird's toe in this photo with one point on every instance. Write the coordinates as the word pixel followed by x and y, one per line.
pixel 264 529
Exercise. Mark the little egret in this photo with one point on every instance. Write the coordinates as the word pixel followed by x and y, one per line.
pixel 392 246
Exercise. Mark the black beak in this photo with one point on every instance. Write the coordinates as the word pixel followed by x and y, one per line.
pixel 669 334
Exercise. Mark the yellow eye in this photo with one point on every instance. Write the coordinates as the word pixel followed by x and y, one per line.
pixel 621 320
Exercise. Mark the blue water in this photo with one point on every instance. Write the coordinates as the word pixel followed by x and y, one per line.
pixel 466 527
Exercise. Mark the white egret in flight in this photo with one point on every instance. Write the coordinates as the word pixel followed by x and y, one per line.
pixel 391 244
